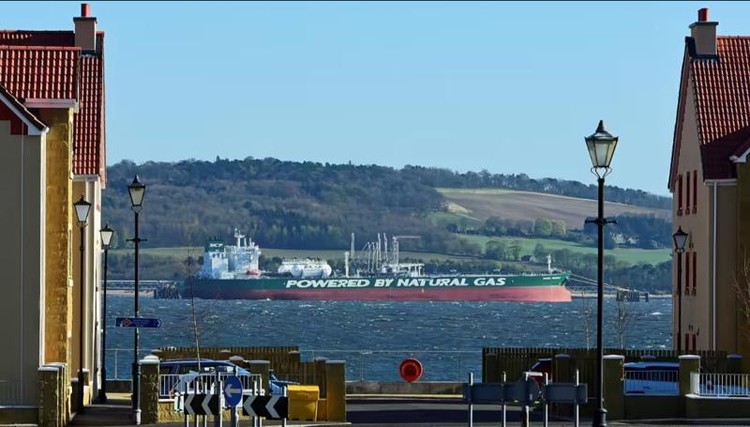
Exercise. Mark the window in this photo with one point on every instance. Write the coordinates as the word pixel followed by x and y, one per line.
pixel 695 270
pixel 695 191
pixel 687 342
pixel 679 195
pixel 687 194
pixel 695 338
pixel 687 271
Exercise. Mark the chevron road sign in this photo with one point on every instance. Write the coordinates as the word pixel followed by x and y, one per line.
pixel 202 404
pixel 274 407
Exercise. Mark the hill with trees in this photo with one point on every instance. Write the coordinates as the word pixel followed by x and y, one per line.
pixel 309 205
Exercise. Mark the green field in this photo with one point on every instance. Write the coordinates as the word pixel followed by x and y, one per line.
pixel 632 256
pixel 480 204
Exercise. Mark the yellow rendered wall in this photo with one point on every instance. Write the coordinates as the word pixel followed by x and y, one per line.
pixel 59 307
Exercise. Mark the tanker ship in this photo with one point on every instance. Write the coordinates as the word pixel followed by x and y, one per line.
pixel 232 272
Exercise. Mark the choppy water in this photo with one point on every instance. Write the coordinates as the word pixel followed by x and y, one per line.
pixel 373 337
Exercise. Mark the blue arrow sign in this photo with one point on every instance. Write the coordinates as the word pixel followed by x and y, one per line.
pixel 232 390
pixel 138 322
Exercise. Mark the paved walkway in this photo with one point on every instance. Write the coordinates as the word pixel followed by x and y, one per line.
pixel 381 412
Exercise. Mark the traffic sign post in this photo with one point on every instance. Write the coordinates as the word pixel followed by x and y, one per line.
pixel 232 390
pixel 137 322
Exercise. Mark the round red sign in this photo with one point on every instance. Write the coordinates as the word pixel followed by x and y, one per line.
pixel 411 369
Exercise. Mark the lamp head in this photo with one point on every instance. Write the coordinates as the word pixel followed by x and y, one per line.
pixel 137 190
pixel 82 211
pixel 680 239
pixel 601 145
pixel 106 234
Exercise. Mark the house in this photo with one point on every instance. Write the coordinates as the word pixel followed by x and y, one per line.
pixel 710 182
pixel 52 131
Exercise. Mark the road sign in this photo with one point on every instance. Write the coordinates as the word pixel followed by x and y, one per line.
pixel 137 322
pixel 202 404
pixel 566 393
pixel 232 390
pixel 274 407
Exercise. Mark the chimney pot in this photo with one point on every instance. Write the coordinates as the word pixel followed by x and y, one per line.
pixel 86 10
pixel 703 14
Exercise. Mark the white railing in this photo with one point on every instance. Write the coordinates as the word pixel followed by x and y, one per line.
pixel 17 393
pixel 657 381
pixel 720 385
pixel 173 384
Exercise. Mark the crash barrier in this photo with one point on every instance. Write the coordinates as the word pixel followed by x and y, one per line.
pixel 525 391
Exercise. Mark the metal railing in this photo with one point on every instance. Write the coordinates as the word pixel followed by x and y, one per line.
pixel 172 384
pixel 656 381
pixel 17 393
pixel 720 385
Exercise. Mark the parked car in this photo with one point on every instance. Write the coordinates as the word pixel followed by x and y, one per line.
pixel 543 366
pixel 185 366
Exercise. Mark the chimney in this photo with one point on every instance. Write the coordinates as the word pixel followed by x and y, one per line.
pixel 703 33
pixel 85 30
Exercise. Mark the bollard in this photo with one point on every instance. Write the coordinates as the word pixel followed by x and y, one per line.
pixel 504 378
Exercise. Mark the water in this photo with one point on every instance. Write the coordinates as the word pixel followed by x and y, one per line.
pixel 374 337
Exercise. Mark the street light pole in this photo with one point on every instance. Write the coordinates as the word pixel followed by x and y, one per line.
pixel 679 238
pixel 82 212
pixel 601 146
pixel 136 190
pixel 106 236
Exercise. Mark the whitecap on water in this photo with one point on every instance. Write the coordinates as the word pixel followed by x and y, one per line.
pixel 656 313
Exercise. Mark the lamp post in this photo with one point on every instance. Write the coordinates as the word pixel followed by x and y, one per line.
pixel 137 190
pixel 82 214
pixel 106 236
pixel 601 145
pixel 680 238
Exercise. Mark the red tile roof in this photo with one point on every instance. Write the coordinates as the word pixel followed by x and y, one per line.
pixel 722 101
pixel 46 65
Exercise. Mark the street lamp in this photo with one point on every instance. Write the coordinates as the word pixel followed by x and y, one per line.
pixel 106 234
pixel 82 214
pixel 137 190
pixel 601 146
pixel 680 238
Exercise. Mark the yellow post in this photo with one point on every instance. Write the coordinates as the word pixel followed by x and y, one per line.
pixel 149 389
pixel 614 383
pixel 336 390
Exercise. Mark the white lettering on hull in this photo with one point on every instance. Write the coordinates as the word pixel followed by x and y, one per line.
pixel 451 282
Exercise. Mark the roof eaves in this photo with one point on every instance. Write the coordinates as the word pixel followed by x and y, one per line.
pixel 679 119
pixel 31 121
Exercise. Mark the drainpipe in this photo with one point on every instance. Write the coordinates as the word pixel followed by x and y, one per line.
pixel 713 272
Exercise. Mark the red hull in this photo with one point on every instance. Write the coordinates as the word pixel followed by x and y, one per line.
pixel 517 294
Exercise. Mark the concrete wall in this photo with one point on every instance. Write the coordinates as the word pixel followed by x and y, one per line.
pixel 22 302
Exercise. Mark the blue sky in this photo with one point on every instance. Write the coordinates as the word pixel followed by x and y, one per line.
pixel 502 86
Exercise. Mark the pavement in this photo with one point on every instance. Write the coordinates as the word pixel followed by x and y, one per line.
pixel 380 411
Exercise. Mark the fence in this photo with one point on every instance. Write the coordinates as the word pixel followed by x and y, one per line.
pixel 362 365
pixel 720 385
